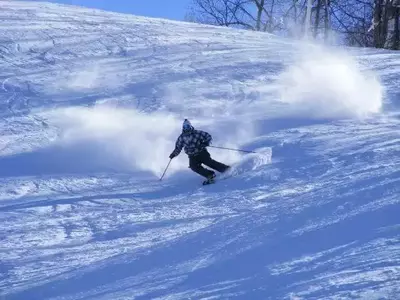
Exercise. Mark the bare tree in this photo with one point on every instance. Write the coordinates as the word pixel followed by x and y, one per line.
pixel 392 8
pixel 365 23
pixel 221 12
pixel 396 34
pixel 385 25
pixel 351 20
pixel 319 11
pixel 257 15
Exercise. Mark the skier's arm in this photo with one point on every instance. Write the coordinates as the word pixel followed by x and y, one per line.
pixel 178 147
pixel 206 138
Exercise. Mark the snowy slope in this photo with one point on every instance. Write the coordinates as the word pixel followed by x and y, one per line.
pixel 91 103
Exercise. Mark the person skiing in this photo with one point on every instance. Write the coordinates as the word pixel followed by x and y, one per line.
pixel 194 143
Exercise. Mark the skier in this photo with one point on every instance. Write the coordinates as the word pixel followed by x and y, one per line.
pixel 195 143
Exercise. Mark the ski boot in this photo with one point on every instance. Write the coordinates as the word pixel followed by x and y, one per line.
pixel 210 179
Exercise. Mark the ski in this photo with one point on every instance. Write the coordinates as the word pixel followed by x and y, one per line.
pixel 207 182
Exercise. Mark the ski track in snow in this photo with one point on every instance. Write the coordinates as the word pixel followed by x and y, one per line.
pixel 314 215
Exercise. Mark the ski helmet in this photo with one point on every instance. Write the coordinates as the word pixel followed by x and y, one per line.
pixel 186 126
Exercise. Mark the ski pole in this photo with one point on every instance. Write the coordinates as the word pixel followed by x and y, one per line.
pixel 165 169
pixel 239 150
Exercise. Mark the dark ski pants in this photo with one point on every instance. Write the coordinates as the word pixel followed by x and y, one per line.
pixel 204 157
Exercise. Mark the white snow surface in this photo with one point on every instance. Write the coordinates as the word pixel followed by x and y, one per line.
pixel 91 103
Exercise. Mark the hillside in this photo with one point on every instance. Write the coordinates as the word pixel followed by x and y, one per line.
pixel 91 104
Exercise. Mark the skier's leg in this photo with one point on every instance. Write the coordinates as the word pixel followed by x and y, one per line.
pixel 212 163
pixel 195 165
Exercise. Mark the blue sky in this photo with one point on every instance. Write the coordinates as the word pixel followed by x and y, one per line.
pixel 169 9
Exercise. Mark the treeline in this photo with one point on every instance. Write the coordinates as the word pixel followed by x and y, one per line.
pixel 363 23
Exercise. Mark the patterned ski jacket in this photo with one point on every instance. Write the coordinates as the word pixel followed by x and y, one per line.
pixel 192 142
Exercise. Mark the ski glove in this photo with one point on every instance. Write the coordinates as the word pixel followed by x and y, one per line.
pixel 172 155
pixel 206 143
